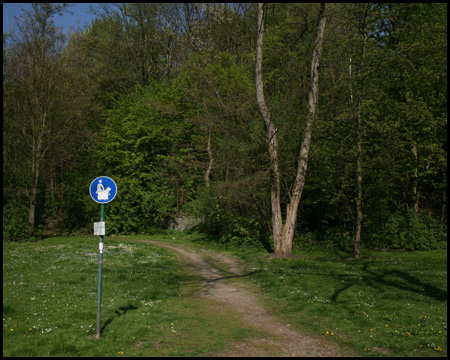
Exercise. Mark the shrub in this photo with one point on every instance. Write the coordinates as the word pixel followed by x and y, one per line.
pixel 245 231
pixel 15 222
pixel 411 231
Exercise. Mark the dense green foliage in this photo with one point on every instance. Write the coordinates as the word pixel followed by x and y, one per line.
pixel 149 141
pixel 160 97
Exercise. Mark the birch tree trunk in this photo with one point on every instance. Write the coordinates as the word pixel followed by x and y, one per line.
pixel 291 216
pixel 283 234
pixel 271 135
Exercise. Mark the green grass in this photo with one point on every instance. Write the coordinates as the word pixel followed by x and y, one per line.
pixel 150 307
pixel 386 304
pixel 391 304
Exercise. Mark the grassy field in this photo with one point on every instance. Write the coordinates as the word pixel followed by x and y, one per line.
pixel 149 307
pixel 387 304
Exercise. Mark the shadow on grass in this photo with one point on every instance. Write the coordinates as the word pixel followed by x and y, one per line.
pixel 215 273
pixel 405 282
pixel 121 311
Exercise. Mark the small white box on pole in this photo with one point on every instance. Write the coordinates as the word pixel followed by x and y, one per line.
pixel 99 228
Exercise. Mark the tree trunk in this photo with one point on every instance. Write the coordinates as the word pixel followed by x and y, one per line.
pixel 416 193
pixel 359 172
pixel 296 194
pixel 271 136
pixel 37 155
pixel 211 159
pixel 283 235
pixel 359 178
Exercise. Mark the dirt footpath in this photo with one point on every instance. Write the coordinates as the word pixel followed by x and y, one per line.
pixel 243 299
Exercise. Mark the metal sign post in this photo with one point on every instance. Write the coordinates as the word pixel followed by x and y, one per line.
pixel 102 190
pixel 100 266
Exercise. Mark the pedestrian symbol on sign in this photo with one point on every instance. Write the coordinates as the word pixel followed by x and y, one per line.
pixel 103 190
pixel 102 193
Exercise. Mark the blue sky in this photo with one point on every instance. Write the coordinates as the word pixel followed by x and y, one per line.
pixel 79 18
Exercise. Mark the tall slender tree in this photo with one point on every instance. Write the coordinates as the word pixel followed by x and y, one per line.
pixel 283 233
pixel 359 154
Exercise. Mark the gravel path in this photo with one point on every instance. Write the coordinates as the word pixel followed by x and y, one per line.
pixel 243 299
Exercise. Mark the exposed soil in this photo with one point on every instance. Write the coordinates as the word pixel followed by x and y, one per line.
pixel 242 297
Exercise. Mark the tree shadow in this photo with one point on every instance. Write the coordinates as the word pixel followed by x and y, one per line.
pixel 209 273
pixel 216 272
pixel 121 311
pixel 405 282
pixel 410 283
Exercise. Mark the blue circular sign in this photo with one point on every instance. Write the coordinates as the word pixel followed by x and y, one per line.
pixel 103 190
